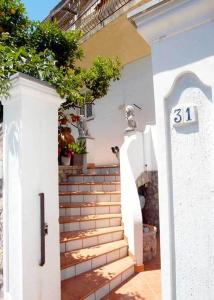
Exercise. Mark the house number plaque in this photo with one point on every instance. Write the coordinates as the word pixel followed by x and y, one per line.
pixel 184 115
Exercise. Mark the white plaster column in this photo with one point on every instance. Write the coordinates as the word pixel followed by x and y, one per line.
pixel 30 168
pixel 180 35
pixel 131 166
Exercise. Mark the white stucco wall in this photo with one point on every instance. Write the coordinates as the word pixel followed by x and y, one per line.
pixel 180 34
pixel 189 239
pixel 131 166
pixel 135 86
pixel 30 168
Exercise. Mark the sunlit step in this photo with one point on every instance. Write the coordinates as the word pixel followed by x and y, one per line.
pixel 105 186
pixel 89 208
pixel 102 170
pixel 74 240
pixel 73 223
pixel 94 178
pixel 99 282
pixel 69 197
pixel 79 261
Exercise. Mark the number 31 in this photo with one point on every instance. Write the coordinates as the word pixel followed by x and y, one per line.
pixel 184 115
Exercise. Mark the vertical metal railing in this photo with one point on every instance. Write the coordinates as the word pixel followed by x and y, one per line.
pixel 97 13
pixel 43 228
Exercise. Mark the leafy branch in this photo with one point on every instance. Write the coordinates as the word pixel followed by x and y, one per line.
pixel 44 51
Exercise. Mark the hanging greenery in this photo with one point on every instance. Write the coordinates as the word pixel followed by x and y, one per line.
pixel 44 51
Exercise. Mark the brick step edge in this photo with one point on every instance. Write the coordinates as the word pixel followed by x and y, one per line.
pixel 82 234
pixel 79 256
pixel 110 276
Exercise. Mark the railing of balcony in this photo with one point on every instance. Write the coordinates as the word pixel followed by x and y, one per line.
pixel 96 14
pixel 67 11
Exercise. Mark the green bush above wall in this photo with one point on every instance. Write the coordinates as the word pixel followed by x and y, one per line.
pixel 44 51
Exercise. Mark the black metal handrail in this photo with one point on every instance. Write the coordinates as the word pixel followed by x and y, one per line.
pixel 43 228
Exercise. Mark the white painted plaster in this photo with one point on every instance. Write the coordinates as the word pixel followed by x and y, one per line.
pixel 191 150
pixel 30 167
pixel 150 146
pixel 180 34
pixel 138 154
pixel 107 128
pixel 131 166
pixel 90 150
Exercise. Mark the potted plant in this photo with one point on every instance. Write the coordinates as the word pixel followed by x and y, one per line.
pixel 79 150
pixel 66 154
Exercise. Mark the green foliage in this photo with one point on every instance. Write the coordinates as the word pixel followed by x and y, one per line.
pixel 13 16
pixel 78 147
pixel 39 65
pixel 98 78
pixel 64 45
pixel 44 51
pixel 14 22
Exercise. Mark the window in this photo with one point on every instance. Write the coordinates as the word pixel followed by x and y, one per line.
pixel 87 111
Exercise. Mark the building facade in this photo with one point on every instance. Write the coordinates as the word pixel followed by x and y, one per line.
pixel 107 31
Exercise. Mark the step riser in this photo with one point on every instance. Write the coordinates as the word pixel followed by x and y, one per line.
pixel 104 171
pixel 94 263
pixel 90 188
pixel 114 283
pixel 89 198
pixel 89 211
pixel 91 241
pixel 94 178
pixel 90 224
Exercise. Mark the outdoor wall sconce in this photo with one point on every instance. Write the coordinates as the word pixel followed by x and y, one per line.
pixel 116 151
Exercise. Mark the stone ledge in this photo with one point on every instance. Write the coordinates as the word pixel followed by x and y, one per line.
pixel 149 242
pixel 66 171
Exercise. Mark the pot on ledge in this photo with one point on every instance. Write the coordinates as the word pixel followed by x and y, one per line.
pixel 66 160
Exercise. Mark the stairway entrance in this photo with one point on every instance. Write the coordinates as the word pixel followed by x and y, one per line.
pixel 94 253
pixel 95 261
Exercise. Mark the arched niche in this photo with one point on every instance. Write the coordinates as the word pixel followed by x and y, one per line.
pixel 190 166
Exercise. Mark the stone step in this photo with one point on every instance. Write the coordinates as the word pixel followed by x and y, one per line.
pixel 74 240
pixel 105 186
pixel 79 261
pixel 73 223
pixel 97 283
pixel 89 208
pixel 102 170
pixel 94 178
pixel 70 197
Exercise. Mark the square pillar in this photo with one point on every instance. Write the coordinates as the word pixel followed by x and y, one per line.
pixel 182 49
pixel 30 168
